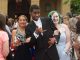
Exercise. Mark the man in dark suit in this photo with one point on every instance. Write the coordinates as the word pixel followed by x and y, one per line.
pixel 39 29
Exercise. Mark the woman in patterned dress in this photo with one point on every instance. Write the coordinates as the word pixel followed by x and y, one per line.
pixel 22 51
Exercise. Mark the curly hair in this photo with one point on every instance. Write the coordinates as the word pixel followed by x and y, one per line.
pixel 34 7
pixel 2 22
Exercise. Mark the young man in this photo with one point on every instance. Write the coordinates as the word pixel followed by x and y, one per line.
pixel 40 31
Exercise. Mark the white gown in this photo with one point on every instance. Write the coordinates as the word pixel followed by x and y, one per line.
pixel 61 45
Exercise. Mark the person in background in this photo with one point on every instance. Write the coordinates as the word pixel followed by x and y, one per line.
pixel 9 23
pixel 7 29
pixel 72 25
pixel 66 20
pixel 4 39
pixel 76 43
pixel 22 49
pixel 15 25
pixel 64 43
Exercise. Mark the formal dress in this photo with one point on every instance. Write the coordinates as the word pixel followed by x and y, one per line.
pixel 22 51
pixel 62 44
pixel 42 52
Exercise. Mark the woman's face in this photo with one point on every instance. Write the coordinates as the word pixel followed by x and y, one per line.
pixel 66 20
pixel 55 18
pixel 22 21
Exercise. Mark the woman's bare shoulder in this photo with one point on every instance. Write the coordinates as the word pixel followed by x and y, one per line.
pixel 64 25
pixel 14 31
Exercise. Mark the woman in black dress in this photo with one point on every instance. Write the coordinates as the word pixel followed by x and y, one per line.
pixel 22 51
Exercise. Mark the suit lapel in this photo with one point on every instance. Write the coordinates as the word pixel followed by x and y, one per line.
pixel 43 23
pixel 33 26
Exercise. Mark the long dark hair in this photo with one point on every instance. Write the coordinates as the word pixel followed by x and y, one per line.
pixel 78 27
pixel 2 22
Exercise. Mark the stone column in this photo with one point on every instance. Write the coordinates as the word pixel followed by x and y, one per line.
pixel 35 2
pixel 3 6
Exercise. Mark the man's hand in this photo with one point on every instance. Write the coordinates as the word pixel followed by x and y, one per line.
pixel 38 30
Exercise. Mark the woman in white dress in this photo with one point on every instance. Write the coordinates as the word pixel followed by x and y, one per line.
pixel 64 43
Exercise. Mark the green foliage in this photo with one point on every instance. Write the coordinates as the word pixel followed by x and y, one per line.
pixel 75 6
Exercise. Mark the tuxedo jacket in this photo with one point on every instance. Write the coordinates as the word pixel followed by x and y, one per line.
pixel 43 52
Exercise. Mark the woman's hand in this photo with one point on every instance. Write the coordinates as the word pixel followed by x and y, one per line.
pixel 17 43
pixel 76 45
pixel 28 39
pixel 56 32
pixel 51 41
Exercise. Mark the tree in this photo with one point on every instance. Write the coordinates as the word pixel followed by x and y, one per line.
pixel 75 6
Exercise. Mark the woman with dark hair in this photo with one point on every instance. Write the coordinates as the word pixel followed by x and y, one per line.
pixel 78 27
pixel 77 41
pixel 4 43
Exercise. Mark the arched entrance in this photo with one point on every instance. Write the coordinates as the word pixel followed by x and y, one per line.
pixel 18 7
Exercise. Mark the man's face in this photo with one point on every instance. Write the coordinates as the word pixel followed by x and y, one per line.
pixel 35 14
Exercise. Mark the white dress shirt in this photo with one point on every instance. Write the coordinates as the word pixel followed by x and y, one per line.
pixel 39 25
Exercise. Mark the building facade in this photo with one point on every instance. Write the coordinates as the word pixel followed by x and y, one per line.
pixel 12 7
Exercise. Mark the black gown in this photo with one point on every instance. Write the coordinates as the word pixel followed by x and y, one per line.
pixel 23 51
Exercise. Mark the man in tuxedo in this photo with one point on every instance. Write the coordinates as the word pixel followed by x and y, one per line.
pixel 39 29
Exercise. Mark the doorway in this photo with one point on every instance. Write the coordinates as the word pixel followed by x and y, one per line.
pixel 18 7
